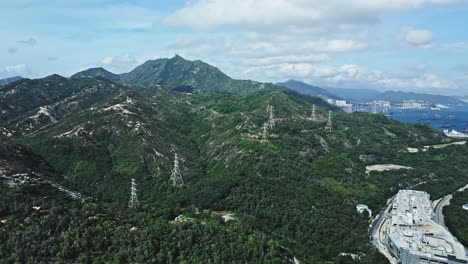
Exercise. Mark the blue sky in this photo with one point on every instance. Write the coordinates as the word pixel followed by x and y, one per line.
pixel 410 45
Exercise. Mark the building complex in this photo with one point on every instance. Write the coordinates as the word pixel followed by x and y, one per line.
pixel 412 236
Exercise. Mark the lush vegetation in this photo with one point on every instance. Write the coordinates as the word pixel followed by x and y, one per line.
pixel 292 196
pixel 456 217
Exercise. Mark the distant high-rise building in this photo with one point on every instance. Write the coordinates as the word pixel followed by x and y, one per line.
pixel 411 104
pixel 380 107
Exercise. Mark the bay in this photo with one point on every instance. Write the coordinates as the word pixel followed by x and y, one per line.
pixel 453 118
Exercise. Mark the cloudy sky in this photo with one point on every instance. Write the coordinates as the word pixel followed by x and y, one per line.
pixel 410 45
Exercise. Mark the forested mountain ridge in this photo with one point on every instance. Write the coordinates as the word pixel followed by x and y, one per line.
pixel 367 95
pixel 182 75
pixel 399 96
pixel 290 186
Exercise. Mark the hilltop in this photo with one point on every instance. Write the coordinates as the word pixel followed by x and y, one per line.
pixel 97 72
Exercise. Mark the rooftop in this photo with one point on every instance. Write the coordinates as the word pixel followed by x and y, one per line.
pixel 413 227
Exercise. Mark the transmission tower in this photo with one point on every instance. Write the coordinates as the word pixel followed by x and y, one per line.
pixel 329 126
pixel 313 116
pixel 264 133
pixel 133 203
pixel 176 176
pixel 271 117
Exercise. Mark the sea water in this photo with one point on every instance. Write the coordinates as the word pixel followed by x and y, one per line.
pixel 452 118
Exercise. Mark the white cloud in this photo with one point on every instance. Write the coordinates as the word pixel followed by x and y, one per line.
pixel 425 81
pixel 302 16
pixel 119 63
pixel 418 38
pixel 11 70
pixel 267 47
pixel 351 75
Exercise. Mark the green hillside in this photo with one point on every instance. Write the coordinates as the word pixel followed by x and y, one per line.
pixel 456 216
pixel 291 191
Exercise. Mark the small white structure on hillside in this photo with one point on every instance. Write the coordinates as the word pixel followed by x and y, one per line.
pixel 362 207
pixel 465 206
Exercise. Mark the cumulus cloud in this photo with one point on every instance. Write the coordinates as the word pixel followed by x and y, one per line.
pixel 294 39
pixel 119 63
pixel 425 81
pixel 267 47
pixel 11 70
pixel 302 16
pixel 351 75
pixel 418 38
pixel 30 41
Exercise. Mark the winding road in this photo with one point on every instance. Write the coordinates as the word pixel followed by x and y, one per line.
pixel 376 231
pixel 438 209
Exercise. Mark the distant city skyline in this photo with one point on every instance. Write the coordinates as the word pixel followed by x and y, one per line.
pixel 413 45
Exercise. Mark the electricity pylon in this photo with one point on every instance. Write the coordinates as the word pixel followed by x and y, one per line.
pixel 271 117
pixel 176 176
pixel 133 203
pixel 264 133
pixel 329 126
pixel 313 116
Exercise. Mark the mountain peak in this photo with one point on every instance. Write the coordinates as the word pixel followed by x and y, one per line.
pixel 178 57
pixel 97 72
pixel 54 77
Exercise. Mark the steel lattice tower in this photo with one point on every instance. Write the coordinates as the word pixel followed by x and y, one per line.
pixel 271 117
pixel 176 176
pixel 133 203
pixel 313 116
pixel 264 133
pixel 329 126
